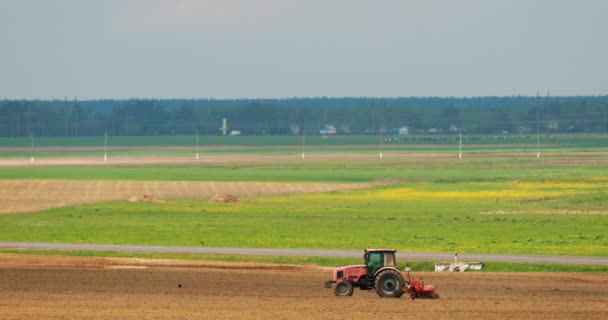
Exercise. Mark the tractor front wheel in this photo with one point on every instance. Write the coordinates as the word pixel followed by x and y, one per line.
pixel 343 289
pixel 389 283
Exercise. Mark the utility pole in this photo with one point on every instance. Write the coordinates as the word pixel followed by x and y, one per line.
pixel 28 119
pixel 380 143
pixel 606 118
pixel 373 122
pixel 75 109
pixel 196 143
pixel 65 116
pixel 547 106
pixel 382 128
pixel 537 125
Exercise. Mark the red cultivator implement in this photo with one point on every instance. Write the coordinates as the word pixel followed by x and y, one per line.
pixel 417 289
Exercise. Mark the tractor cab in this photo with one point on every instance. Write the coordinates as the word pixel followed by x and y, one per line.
pixel 376 259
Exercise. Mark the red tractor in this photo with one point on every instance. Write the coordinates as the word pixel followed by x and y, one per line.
pixel 379 273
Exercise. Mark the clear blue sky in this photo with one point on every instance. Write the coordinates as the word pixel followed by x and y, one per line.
pixel 285 48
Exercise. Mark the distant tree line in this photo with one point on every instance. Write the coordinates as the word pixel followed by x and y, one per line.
pixel 484 115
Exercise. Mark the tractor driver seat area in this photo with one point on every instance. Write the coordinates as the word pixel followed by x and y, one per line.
pixel 375 261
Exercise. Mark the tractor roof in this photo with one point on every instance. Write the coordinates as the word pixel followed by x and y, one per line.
pixel 380 250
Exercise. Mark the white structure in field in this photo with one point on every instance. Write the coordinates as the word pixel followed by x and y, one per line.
pixel 224 128
pixel 457 266
pixel 328 129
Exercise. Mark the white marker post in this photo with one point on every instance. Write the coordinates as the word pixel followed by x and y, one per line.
pixel 380 156
pixel 197 144
pixel 31 148
pixel 303 141
pixel 105 146
pixel 460 146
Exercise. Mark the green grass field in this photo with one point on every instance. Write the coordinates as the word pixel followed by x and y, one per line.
pixel 496 169
pixel 482 205
pixel 431 211
pixel 213 145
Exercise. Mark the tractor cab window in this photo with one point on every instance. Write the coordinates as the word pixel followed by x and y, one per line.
pixel 389 259
pixel 375 261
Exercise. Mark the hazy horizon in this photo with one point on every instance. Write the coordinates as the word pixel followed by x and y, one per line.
pixel 541 96
pixel 265 49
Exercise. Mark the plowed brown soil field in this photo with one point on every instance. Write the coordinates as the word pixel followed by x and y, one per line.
pixel 32 195
pixel 34 287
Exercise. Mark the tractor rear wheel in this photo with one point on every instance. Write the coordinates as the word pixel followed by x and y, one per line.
pixel 343 289
pixel 389 283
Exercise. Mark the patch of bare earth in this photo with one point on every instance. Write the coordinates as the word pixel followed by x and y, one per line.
pixel 547 159
pixel 224 198
pixel 68 288
pixel 216 159
pixel 18 196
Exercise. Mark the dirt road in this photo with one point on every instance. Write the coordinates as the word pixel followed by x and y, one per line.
pixel 81 288
pixel 404 256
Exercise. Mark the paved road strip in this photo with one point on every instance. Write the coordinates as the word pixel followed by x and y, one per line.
pixel 512 258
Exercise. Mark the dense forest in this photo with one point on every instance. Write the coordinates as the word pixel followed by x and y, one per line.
pixel 137 117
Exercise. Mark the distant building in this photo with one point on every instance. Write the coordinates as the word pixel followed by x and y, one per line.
pixel 399 131
pixel 524 129
pixel 235 133
pixel 328 129
pixel 553 125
